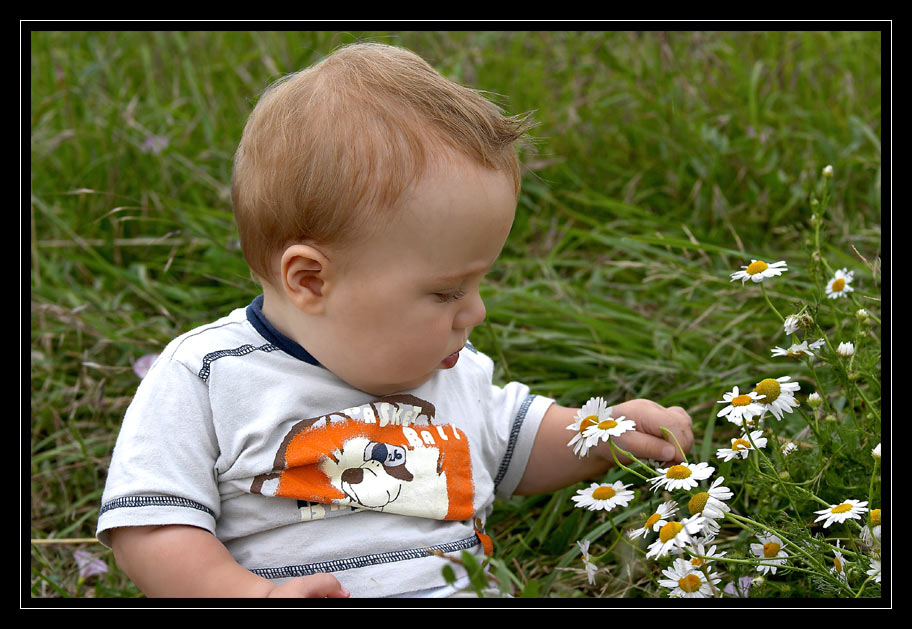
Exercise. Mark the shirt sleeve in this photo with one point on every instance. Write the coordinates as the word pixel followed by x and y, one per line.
pixel 515 416
pixel 162 468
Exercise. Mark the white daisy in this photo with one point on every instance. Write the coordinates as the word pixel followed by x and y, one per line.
pixel 604 496
pixel 838 562
pixel 685 582
pixel 681 476
pixel 740 407
pixel 656 521
pixel 850 509
pixel 777 395
pixel 840 285
pixel 607 428
pixel 592 412
pixel 876 452
pixel 741 446
pixel 710 503
pixel 703 556
pixel 770 550
pixel 867 538
pixel 791 325
pixel 797 350
pixel 589 566
pixel 758 270
pixel 845 349
pixel 874 571
pixel 674 536
pixel 875 524
pixel 870 534
pixel 787 448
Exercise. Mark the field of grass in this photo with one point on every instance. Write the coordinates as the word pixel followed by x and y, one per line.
pixel 662 163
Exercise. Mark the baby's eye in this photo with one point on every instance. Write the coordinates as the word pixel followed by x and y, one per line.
pixel 445 298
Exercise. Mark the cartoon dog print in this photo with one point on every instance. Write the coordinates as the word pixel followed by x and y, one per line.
pixel 366 462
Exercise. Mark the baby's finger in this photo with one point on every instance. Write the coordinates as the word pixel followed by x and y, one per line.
pixel 646 446
pixel 323 585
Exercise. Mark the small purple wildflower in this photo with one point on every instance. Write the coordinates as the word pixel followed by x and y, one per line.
pixel 154 144
pixel 740 590
pixel 89 564
pixel 143 364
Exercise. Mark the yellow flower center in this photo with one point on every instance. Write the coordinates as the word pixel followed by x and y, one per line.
pixel 697 503
pixel 607 424
pixel 696 562
pixel 592 420
pixel 669 531
pixel 741 444
pixel 771 549
pixel 794 354
pixel 757 266
pixel 770 388
pixel 837 564
pixel 604 493
pixel 655 517
pixel 690 583
pixel 838 285
pixel 841 508
pixel 875 517
pixel 678 471
pixel 741 400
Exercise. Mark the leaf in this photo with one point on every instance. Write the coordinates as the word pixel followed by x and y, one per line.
pixel 532 590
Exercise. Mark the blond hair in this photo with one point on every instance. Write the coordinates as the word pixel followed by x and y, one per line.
pixel 328 149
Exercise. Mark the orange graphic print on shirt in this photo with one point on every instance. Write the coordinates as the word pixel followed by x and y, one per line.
pixel 381 456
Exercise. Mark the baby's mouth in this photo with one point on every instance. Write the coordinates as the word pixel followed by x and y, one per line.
pixel 450 361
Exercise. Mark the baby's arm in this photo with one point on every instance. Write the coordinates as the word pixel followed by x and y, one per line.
pixel 553 465
pixel 186 561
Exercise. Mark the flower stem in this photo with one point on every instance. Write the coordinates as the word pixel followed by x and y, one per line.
pixel 770 304
pixel 630 456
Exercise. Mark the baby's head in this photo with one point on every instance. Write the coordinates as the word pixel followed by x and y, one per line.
pixel 372 195
pixel 329 152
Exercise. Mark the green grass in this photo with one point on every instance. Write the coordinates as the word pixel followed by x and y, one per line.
pixel 662 162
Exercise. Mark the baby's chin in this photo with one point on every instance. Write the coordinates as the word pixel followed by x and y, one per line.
pixel 390 388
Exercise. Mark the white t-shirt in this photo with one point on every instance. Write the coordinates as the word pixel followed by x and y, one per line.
pixel 238 430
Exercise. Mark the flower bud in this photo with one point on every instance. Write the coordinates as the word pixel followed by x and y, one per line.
pixel 814 400
pixel 828 171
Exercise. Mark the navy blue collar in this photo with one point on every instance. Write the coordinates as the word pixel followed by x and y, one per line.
pixel 267 331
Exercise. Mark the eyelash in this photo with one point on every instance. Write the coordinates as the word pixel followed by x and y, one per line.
pixel 446 298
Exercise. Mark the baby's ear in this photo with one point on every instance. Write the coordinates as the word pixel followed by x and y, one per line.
pixel 303 269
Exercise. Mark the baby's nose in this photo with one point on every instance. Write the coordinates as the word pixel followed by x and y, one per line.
pixel 472 315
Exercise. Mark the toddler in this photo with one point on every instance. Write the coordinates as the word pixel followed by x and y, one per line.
pixel 340 436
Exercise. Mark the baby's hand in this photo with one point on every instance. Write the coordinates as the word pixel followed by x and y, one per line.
pixel 648 441
pixel 314 586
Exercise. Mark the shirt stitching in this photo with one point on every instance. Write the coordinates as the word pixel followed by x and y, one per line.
pixel 511 444
pixel 243 350
pixel 153 501
pixel 362 561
